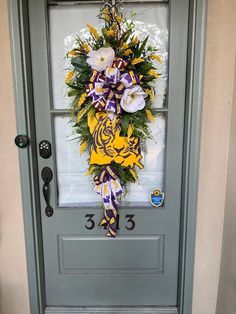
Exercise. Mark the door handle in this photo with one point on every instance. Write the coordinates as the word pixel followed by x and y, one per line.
pixel 47 176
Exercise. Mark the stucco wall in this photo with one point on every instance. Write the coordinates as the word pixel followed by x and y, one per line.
pixel 218 90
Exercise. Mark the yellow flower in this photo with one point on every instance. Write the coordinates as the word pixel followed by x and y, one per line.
pixel 115 26
pixel 90 170
pixel 134 174
pixel 156 57
pixel 82 147
pixel 135 40
pixel 73 53
pixel 111 33
pixel 86 47
pixel 150 115
pixel 119 18
pixel 106 14
pixel 82 113
pixel 124 46
pixel 130 131
pixel 154 73
pixel 128 52
pixel 105 11
pixel 93 31
pixel 82 99
pixel 107 17
pixel 150 93
pixel 69 76
pixel 136 61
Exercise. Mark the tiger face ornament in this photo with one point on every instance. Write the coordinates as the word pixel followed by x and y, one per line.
pixel 108 145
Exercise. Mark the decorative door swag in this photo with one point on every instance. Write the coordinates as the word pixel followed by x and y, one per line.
pixel 111 80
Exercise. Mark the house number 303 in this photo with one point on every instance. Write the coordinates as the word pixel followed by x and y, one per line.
pixel 130 223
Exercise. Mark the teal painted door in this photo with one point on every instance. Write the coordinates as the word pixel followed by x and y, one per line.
pixel 82 266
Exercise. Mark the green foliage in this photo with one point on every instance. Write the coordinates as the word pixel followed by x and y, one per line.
pixel 121 40
pixel 72 93
pixel 79 63
pixel 122 172
pixel 141 48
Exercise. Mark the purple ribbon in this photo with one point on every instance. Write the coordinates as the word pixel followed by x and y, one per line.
pixel 107 184
pixel 107 89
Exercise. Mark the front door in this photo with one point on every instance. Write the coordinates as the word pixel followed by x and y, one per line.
pixel 83 267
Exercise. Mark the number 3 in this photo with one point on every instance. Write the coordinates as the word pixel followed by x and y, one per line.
pixel 90 221
pixel 130 219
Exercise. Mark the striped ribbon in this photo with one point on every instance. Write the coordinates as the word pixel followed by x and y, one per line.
pixel 107 89
pixel 107 184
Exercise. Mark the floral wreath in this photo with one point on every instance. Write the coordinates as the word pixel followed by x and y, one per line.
pixel 111 79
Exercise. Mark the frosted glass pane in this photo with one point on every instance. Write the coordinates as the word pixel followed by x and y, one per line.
pixel 73 185
pixel 65 21
pixel 76 189
pixel 152 176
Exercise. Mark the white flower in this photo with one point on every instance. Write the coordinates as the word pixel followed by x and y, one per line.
pixel 101 59
pixel 133 99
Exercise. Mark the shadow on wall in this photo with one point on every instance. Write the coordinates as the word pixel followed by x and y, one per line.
pixel 227 285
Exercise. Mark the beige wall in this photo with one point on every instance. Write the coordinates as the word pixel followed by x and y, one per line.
pixel 13 278
pixel 218 90
pixel 217 104
pixel 227 289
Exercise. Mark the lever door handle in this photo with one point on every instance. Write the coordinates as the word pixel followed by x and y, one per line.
pixel 47 176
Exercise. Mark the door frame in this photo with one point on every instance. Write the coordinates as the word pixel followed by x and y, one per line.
pixel 18 19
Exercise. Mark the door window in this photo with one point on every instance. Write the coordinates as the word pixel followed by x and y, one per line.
pixel 74 188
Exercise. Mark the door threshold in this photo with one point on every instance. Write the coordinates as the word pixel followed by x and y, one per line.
pixel 111 310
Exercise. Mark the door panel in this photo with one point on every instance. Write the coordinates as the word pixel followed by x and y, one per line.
pixel 72 261
pixel 82 266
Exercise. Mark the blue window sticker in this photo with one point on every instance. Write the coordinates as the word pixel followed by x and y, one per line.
pixel 157 198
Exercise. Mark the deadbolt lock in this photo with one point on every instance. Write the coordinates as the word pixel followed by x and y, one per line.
pixel 21 141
